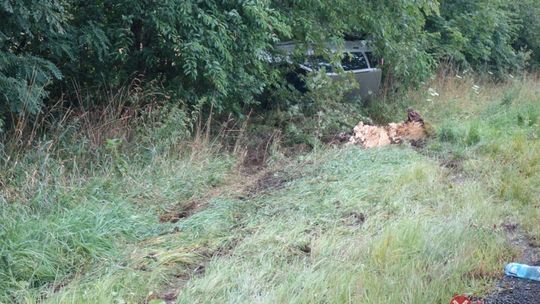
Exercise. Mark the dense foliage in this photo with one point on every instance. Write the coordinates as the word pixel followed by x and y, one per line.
pixel 477 34
pixel 216 52
pixel 32 34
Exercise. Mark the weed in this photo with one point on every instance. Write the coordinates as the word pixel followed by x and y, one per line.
pixel 473 135
pixel 449 133
pixel 509 97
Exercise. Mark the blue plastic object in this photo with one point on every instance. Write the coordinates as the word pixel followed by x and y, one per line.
pixel 523 271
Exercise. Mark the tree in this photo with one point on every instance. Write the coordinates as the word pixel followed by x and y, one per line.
pixel 477 34
pixel 216 52
pixel 31 32
pixel 527 12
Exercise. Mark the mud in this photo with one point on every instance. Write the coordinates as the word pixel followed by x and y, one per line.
pixel 411 130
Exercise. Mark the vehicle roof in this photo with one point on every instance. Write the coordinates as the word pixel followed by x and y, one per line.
pixel 348 46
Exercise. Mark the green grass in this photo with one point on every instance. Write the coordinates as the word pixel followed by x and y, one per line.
pixel 389 225
pixel 57 223
pixel 415 244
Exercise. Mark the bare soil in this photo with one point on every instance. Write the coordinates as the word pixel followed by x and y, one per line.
pixel 270 180
pixel 185 211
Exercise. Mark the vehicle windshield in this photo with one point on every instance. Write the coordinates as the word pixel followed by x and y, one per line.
pixel 354 61
pixel 318 62
pixel 350 62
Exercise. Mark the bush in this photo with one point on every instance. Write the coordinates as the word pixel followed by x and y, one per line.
pixel 326 109
pixel 449 133
pixel 218 51
pixel 473 136
pixel 477 34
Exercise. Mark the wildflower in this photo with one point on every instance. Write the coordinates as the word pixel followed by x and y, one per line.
pixel 432 92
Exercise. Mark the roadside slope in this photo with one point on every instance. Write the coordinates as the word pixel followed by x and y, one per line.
pixel 390 225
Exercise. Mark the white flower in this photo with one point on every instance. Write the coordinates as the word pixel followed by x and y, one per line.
pixel 432 92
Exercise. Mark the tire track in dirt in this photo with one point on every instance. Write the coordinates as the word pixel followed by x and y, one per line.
pixel 252 182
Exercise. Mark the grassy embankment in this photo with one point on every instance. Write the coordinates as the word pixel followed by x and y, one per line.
pixel 391 225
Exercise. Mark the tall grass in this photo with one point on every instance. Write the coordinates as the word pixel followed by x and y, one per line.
pixel 434 220
pixel 85 184
pixel 80 217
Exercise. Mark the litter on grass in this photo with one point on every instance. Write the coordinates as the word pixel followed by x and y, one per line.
pixel 523 271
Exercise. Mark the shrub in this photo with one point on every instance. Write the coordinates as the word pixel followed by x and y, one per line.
pixel 473 135
pixel 449 133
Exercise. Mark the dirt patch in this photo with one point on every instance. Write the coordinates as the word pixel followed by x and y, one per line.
pixel 354 218
pixel 305 248
pixel 453 164
pixel 510 290
pixel 269 181
pixel 186 210
pixel 173 289
pixel 339 139
pixel 245 183
pixel 411 130
pixel 168 297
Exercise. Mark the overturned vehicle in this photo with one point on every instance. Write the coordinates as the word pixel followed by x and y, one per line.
pixel 357 59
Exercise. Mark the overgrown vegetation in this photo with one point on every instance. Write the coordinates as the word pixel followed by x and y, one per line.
pixel 134 220
pixel 215 54
pixel 153 152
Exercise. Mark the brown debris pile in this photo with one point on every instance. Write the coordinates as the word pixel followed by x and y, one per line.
pixel 412 129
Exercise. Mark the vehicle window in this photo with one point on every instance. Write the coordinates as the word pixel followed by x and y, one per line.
pixel 318 62
pixel 354 61
pixel 373 60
